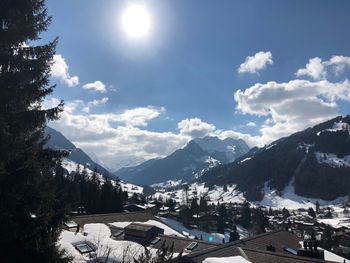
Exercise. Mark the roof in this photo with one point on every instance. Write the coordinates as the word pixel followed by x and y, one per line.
pixel 140 227
pixel 254 249
pixel 180 243
pixel 114 217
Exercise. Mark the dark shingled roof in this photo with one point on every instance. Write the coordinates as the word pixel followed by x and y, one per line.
pixel 259 256
pixel 139 227
pixel 254 249
pixel 180 243
pixel 115 217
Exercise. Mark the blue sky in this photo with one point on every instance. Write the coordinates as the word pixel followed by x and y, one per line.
pixel 179 81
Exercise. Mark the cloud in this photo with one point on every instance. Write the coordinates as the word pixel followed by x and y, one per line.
pixel 116 138
pixel 251 124
pixel 59 69
pixel 96 86
pixel 253 64
pixel 315 69
pixel 132 117
pixel 318 69
pixel 291 106
pixel 95 103
pixel 195 128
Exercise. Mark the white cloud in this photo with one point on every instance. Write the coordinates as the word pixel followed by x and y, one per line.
pixel 95 103
pixel 251 124
pixel 59 69
pixel 318 69
pixel 315 69
pixel 96 86
pixel 195 128
pixel 253 64
pixel 339 63
pixel 132 117
pixel 291 106
pixel 121 144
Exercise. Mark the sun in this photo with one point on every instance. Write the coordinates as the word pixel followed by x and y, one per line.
pixel 136 21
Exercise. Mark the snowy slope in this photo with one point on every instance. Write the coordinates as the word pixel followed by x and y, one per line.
pixel 71 166
pixel 287 199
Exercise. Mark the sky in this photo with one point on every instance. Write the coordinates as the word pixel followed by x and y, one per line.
pixel 255 70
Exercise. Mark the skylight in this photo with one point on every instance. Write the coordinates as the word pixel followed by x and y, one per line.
pixel 84 248
pixel 192 246
pixel 155 241
pixel 71 224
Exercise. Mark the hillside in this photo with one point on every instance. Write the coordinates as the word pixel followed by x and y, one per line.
pixel 187 163
pixel 316 162
pixel 58 141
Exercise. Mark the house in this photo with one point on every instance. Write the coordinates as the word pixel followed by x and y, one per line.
pixel 141 233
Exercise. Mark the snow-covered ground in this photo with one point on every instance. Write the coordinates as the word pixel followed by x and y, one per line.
pixel 336 222
pixel 210 237
pixel 99 236
pixel 217 194
pixel 338 126
pixel 290 200
pixel 332 159
pixel 131 188
pixel 167 184
pixel 167 230
pixel 71 166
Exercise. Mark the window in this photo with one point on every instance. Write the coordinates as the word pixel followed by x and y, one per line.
pixel 71 224
pixel 155 241
pixel 192 246
pixel 290 251
pixel 84 248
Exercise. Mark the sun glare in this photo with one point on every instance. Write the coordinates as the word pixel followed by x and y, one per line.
pixel 136 21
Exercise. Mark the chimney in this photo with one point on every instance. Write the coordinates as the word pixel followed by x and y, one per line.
pixel 310 250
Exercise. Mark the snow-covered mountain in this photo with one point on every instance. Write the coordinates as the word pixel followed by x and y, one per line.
pixel 57 141
pixel 231 148
pixel 314 163
pixel 187 163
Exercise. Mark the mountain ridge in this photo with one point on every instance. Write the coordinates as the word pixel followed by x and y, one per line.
pixel 58 141
pixel 316 159
pixel 183 164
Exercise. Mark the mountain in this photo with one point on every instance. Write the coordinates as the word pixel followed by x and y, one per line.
pixel 227 150
pixel 314 162
pixel 184 164
pixel 57 141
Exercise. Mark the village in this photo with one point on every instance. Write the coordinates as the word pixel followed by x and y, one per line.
pixel 200 228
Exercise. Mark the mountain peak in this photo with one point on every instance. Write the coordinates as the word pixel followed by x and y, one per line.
pixel 232 148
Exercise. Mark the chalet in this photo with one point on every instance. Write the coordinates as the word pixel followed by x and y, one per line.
pixel 141 233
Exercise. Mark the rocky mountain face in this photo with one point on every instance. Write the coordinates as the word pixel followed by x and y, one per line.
pixel 315 161
pixel 57 141
pixel 187 163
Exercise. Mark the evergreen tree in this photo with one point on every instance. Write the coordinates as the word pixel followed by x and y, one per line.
pixel 317 207
pixel 234 235
pixel 221 219
pixel 246 215
pixel 285 213
pixel 311 212
pixel 31 212
pixel 327 240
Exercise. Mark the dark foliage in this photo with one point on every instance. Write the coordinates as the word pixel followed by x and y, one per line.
pixel 31 211
pixel 80 190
